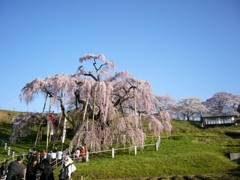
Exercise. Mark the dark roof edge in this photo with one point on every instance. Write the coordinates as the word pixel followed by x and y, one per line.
pixel 220 115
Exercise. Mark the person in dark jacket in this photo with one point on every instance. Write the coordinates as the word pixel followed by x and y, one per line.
pixel 17 177
pixel 4 168
pixel 32 169
pixel 47 173
pixel 15 167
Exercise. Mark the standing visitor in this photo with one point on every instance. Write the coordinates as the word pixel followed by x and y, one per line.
pixel 77 154
pixel 34 154
pixel 15 167
pixel 4 168
pixel 59 157
pixel 29 155
pixel 49 156
pixel 43 155
pixel 32 169
pixel 83 153
pixel 53 157
pixel 17 177
pixel 47 173
pixel 69 167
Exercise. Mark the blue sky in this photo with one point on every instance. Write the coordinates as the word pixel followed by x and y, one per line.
pixel 182 47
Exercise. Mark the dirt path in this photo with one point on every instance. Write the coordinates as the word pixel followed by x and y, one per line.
pixel 211 176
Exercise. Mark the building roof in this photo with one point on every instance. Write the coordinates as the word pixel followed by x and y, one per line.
pixel 220 115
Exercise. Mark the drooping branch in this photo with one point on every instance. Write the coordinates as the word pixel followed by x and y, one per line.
pixel 23 123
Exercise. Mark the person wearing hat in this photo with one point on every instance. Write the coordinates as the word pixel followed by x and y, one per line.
pixel 69 166
pixel 15 167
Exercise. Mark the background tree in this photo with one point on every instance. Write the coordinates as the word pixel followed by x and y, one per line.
pixel 189 108
pixel 222 102
pixel 234 103
pixel 165 103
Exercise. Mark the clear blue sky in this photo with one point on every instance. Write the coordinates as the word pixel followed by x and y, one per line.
pixel 182 47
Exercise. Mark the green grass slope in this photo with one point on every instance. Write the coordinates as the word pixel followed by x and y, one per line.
pixel 190 152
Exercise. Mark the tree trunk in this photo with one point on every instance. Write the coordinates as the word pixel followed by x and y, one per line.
pixel 85 109
pixel 140 121
pixel 238 109
pixel 76 98
pixel 94 106
pixel 64 116
pixel 40 126
pixel 57 135
pixel 135 102
pixel 84 116
pixel 48 125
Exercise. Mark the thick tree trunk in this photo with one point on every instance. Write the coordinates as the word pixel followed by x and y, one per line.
pixel 57 135
pixel 76 98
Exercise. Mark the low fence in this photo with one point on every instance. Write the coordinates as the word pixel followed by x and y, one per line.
pixel 13 156
pixel 113 150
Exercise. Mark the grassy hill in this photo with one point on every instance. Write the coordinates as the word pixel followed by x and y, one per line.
pixel 190 152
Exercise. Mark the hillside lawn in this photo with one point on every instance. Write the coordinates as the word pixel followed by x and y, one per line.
pixel 190 152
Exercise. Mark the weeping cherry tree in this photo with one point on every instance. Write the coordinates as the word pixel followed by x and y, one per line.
pixel 107 107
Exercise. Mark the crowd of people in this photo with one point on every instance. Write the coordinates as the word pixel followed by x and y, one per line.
pixel 40 166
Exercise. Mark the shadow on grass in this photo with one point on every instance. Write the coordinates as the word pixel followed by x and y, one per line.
pixel 197 124
pixel 234 135
pixel 235 173
pixel 5 131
